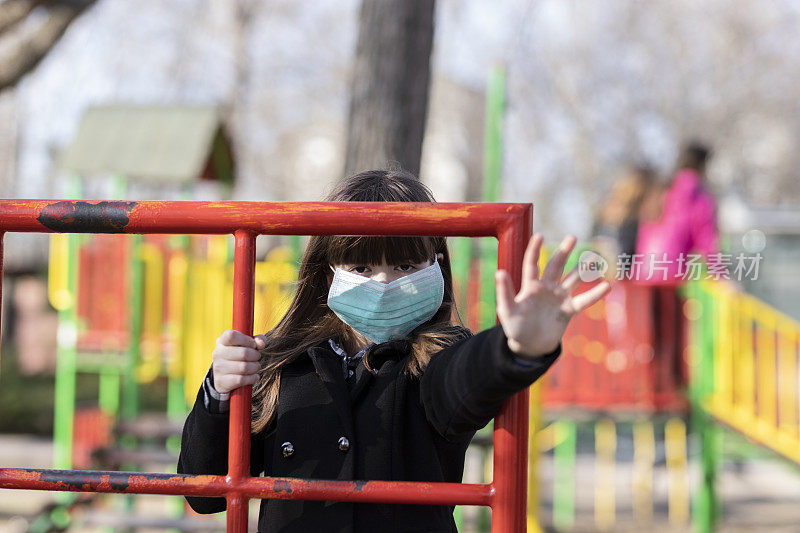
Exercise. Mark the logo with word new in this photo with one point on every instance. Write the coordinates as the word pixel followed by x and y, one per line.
pixel 591 266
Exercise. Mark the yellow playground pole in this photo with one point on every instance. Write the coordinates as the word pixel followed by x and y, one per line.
pixel 605 432
pixel 678 485
pixel 644 455
pixel 149 366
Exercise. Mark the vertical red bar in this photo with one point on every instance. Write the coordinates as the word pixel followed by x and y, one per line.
pixel 244 259
pixel 509 503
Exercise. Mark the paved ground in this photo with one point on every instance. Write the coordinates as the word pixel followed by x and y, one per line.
pixel 762 495
pixel 758 496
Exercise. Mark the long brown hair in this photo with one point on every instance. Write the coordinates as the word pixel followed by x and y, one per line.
pixel 627 195
pixel 309 321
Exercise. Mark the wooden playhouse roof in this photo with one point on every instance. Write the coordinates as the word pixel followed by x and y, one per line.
pixel 147 143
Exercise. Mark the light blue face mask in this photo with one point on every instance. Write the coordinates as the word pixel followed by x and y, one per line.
pixel 382 311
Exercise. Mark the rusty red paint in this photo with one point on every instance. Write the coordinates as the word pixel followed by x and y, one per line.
pixel 285 218
pixel 511 423
pixel 110 482
pixel 280 485
pixel 244 264
pixel 510 223
pixel 86 217
pixel 260 487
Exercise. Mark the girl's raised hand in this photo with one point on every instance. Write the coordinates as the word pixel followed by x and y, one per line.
pixel 236 360
pixel 534 320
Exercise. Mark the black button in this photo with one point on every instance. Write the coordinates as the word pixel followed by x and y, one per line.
pixel 344 444
pixel 287 449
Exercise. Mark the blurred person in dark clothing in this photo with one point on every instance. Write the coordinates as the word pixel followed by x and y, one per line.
pixel 617 224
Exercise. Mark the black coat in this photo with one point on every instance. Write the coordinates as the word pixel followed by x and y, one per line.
pixel 398 427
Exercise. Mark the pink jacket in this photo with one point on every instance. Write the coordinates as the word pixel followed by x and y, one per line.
pixel 687 225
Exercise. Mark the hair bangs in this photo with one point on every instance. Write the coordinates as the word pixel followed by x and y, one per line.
pixel 372 250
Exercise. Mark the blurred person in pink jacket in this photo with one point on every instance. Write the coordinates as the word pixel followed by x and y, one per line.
pixel 686 225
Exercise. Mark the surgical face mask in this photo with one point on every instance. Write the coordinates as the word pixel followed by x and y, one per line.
pixel 381 311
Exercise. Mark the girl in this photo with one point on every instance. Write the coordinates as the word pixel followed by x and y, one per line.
pixel 368 377
pixel 686 223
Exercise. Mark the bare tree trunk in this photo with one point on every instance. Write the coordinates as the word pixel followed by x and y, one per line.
pixel 389 98
pixel 31 49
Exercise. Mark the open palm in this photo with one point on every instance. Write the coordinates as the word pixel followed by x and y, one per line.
pixel 535 318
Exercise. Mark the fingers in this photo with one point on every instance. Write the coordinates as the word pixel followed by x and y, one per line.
pixel 225 383
pixel 261 342
pixel 231 337
pixel 504 289
pixel 590 297
pixel 236 360
pixel 233 367
pixel 238 368
pixel 530 261
pixel 555 267
pixel 236 353
pixel 571 280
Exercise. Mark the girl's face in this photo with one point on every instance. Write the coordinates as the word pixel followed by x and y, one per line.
pixel 385 272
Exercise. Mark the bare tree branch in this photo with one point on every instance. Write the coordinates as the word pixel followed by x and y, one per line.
pixel 31 49
pixel 12 12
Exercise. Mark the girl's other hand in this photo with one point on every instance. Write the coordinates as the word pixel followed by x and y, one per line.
pixel 534 320
pixel 236 360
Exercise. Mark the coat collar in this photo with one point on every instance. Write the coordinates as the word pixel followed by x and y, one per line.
pixel 328 366
pixel 378 356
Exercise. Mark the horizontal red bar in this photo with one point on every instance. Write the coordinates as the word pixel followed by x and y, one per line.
pixel 408 492
pixel 273 218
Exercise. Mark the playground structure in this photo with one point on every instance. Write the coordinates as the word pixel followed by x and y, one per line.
pixel 642 362
pixel 735 367
pixel 509 223
pixel 122 301
pixel 745 355
pixel 168 331
pixel 623 371
pixel 751 347
pixel 748 371
pixel 180 288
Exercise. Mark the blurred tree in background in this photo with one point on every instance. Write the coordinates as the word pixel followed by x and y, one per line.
pixel 591 87
pixel 34 40
pixel 391 74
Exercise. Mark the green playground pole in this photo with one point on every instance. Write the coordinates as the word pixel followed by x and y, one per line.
pixel 176 399
pixel 706 503
pixel 129 402
pixel 109 378
pixel 296 246
pixel 66 357
pixel 64 400
pixel 130 388
pixel 108 393
pixel 493 134
pixel 460 259
pixel 176 403
pixel 565 434
pixel 492 171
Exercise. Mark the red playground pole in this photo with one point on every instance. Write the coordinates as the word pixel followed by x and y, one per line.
pixel 509 223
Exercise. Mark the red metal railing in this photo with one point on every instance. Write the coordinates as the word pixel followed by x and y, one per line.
pixel 509 223
pixel 625 353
